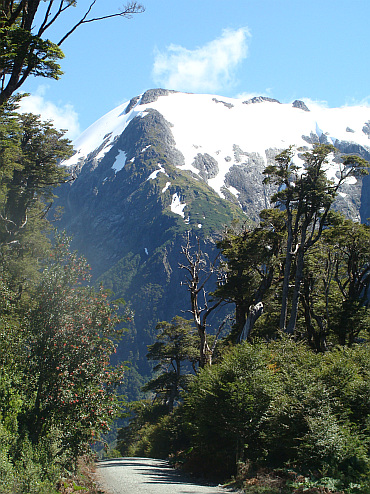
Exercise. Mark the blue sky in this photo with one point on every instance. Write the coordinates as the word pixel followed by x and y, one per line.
pixel 284 49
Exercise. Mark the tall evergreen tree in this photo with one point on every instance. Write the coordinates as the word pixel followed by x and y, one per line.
pixel 306 196
pixel 176 345
pixel 349 243
pixel 252 266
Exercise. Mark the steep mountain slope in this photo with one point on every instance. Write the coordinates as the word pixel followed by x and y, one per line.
pixel 167 162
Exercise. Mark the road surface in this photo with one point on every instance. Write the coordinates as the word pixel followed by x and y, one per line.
pixel 147 476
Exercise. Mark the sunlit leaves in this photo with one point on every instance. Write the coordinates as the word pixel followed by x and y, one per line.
pixel 72 334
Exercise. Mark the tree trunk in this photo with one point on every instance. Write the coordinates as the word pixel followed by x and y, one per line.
pixel 287 268
pixel 296 292
pixel 316 338
pixel 298 279
pixel 205 357
pixel 255 311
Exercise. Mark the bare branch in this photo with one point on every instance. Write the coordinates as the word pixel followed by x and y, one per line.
pixel 219 329
pixel 81 21
pixel 45 25
pixel 129 10
pixel 46 17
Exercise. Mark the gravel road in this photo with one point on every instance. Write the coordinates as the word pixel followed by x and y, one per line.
pixel 147 476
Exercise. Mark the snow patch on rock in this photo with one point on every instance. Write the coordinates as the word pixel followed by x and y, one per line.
pixel 120 161
pixel 177 206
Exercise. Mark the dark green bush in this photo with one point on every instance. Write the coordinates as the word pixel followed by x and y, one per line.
pixel 280 404
pixel 273 406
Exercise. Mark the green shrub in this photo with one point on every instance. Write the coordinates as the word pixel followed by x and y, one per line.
pixel 157 440
pixel 225 405
pixel 280 404
pixel 38 467
pixel 275 406
pixel 6 467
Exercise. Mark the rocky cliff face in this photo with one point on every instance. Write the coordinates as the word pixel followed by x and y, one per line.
pixel 165 163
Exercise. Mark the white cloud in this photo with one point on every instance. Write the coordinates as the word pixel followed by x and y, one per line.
pixel 62 116
pixel 208 68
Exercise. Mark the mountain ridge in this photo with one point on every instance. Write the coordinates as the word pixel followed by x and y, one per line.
pixel 229 150
pixel 165 163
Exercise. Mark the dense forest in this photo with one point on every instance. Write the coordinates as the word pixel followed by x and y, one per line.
pixel 279 404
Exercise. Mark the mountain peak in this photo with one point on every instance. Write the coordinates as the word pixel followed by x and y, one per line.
pixel 225 142
pixel 300 104
pixel 260 99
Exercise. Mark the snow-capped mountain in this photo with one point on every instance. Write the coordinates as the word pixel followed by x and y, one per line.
pixel 228 142
pixel 167 162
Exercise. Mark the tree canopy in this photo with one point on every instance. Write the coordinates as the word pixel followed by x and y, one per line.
pixel 306 196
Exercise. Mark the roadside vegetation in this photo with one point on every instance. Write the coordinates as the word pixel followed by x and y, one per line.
pixel 281 403
pixel 57 333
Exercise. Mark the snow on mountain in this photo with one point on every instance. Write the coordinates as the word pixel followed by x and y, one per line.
pixel 177 206
pixel 120 161
pixel 101 133
pixel 226 129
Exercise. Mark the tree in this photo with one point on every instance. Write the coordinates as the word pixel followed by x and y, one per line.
pixel 306 197
pixel 318 296
pixel 24 51
pixel 349 243
pixel 11 358
pixel 199 272
pixel 56 332
pixel 277 403
pixel 251 268
pixel 176 344
pixel 71 334
pixel 29 167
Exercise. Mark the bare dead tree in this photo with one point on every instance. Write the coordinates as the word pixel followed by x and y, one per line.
pixel 199 271
pixel 127 11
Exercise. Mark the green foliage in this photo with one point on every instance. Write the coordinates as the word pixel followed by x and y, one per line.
pixel 71 330
pixel 142 413
pixel 26 468
pixel 349 245
pixel 57 388
pixel 6 467
pixel 176 343
pixel 29 170
pixel 152 432
pixel 39 56
pixel 279 404
pixel 225 404
pixel 304 263
pixel 25 51
pixel 251 266
pixel 36 468
pixel 57 334
pixel 306 198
